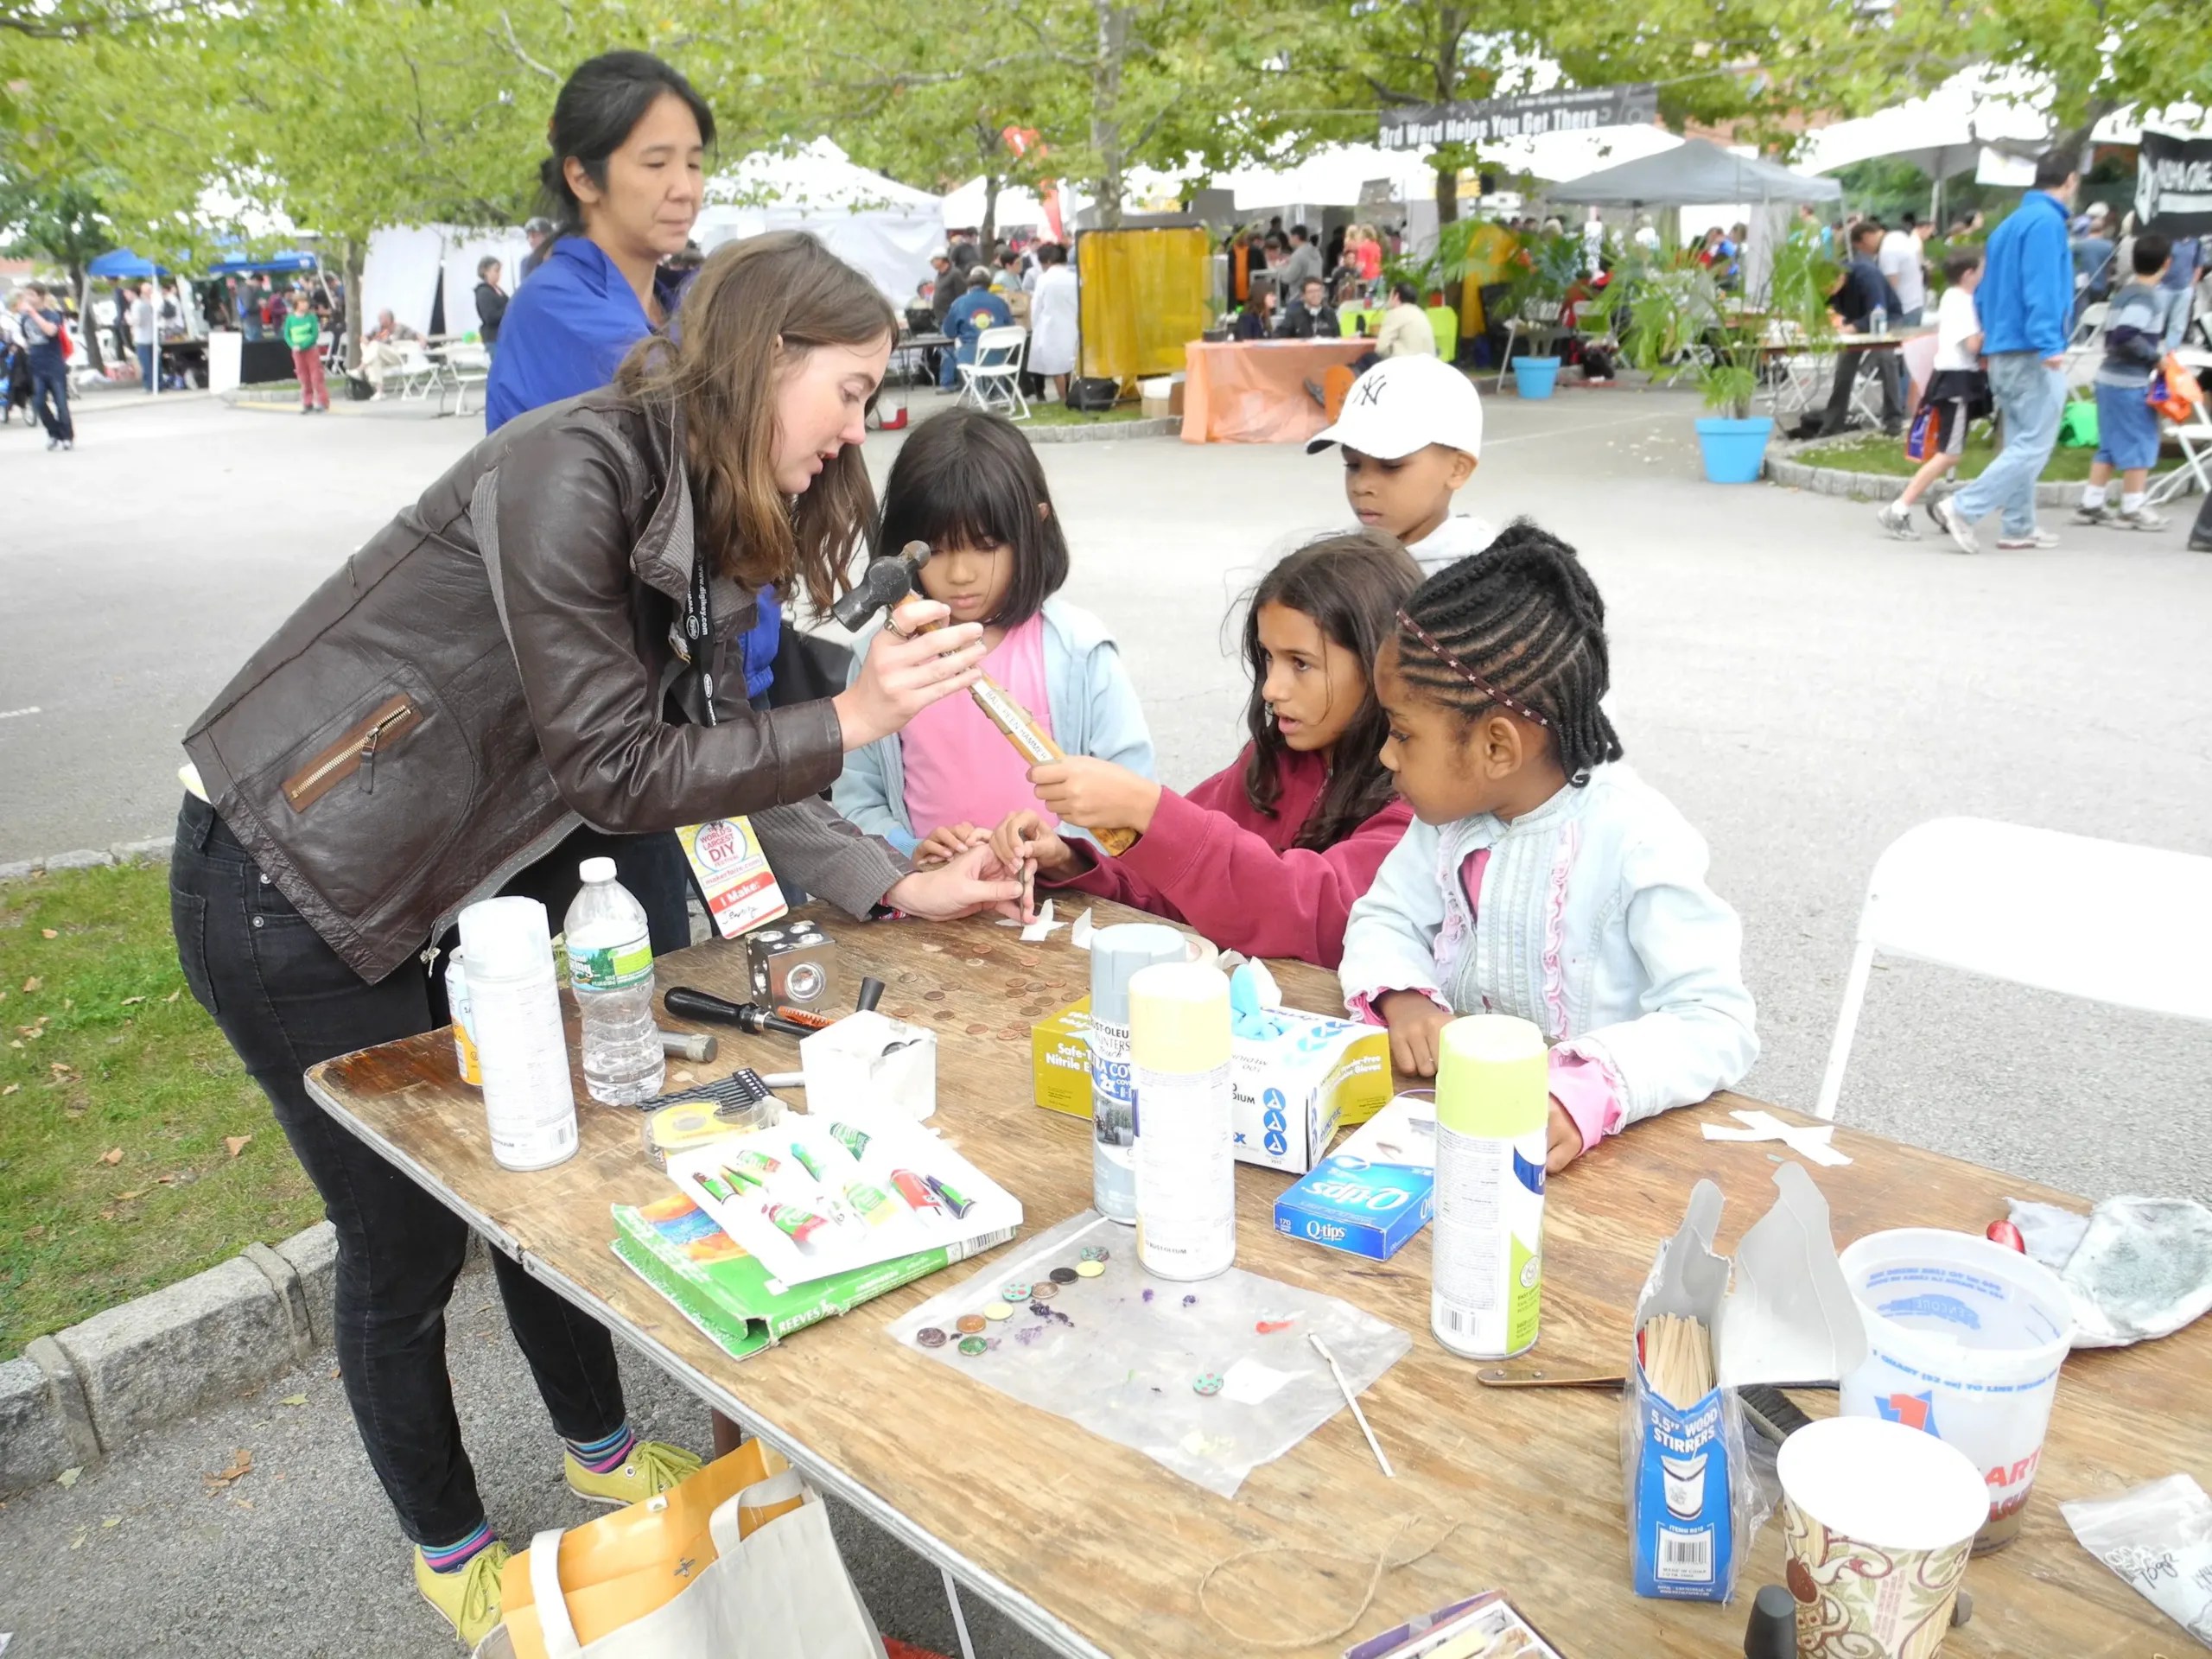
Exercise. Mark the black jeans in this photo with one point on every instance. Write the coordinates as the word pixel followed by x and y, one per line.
pixel 50 398
pixel 286 1002
pixel 1887 368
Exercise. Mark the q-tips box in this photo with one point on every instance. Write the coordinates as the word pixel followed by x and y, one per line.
pixel 1375 1191
pixel 1290 1091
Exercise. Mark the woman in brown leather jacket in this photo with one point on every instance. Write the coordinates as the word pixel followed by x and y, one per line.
pixel 548 638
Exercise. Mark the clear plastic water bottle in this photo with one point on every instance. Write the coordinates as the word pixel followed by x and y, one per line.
pixel 611 968
pixel 1878 320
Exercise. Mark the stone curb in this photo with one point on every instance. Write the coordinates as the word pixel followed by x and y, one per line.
pixel 155 849
pixel 81 1392
pixel 1797 473
pixel 1161 426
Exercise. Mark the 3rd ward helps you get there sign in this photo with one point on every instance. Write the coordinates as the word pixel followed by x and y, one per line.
pixel 1581 109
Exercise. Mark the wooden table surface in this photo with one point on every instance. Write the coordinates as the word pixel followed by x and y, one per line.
pixel 1100 1549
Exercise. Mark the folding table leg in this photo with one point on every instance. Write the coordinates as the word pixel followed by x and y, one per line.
pixel 959 1619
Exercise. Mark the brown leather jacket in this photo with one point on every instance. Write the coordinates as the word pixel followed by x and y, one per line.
pixel 496 666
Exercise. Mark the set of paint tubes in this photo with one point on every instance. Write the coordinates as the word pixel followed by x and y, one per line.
pixel 855 1198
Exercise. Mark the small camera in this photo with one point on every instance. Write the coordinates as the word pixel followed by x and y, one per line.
pixel 793 967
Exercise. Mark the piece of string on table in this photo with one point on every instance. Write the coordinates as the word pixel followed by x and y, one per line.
pixel 1383 1564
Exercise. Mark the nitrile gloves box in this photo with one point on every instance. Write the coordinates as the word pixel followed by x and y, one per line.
pixel 1289 1091
pixel 1790 1318
pixel 1375 1191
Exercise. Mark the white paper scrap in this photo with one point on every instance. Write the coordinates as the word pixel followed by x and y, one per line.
pixel 1079 935
pixel 1249 1382
pixel 1807 1140
pixel 1043 925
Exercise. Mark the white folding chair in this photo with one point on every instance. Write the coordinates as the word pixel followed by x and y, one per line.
pixel 465 365
pixel 2102 921
pixel 994 379
pixel 417 373
pixel 2194 436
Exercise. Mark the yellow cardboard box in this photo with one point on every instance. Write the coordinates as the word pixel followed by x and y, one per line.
pixel 1059 1060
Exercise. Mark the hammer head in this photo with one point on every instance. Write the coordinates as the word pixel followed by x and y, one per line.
pixel 883 583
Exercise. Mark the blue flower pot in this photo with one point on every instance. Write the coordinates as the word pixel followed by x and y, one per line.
pixel 1734 450
pixel 1535 377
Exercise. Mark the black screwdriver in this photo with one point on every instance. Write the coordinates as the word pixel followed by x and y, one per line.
pixel 690 1004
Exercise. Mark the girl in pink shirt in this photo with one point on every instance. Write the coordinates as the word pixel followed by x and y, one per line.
pixel 1269 855
pixel 968 483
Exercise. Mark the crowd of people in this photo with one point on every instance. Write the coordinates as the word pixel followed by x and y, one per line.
pixel 1025 283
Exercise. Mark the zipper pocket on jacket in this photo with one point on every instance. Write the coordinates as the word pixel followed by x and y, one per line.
pixel 353 755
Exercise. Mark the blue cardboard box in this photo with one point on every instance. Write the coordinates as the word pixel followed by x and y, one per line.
pixel 1375 1191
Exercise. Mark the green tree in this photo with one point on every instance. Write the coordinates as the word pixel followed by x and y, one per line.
pixel 63 221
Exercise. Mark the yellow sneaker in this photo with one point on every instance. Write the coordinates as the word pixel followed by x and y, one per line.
pixel 470 1598
pixel 652 1468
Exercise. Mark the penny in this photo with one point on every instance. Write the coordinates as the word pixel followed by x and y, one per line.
pixel 1043 1292
pixel 968 1323
pixel 1206 1382
pixel 1015 1292
pixel 978 1029
pixel 1090 1269
pixel 972 1346
pixel 999 1311
pixel 932 996
pixel 1064 1275
pixel 929 1337
pixel 1096 1253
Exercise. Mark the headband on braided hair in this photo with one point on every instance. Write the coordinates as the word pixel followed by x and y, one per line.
pixel 1505 698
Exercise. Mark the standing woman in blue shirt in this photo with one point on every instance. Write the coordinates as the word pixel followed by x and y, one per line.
pixel 626 177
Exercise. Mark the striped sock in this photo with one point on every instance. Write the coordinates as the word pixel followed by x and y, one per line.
pixel 602 1456
pixel 451 1558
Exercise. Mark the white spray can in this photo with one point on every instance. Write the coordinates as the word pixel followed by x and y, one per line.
pixel 1186 1164
pixel 1118 954
pixel 514 1006
pixel 1493 1106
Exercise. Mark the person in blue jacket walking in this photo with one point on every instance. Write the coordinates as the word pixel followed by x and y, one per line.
pixel 2027 302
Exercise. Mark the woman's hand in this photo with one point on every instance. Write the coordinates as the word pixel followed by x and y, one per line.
pixel 1097 794
pixel 1564 1140
pixel 1415 1021
pixel 1024 838
pixel 906 671
pixel 947 842
pixel 973 881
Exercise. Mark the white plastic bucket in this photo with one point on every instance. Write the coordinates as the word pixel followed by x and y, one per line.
pixel 1964 1340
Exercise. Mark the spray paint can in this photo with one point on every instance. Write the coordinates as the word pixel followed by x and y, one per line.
pixel 1493 1094
pixel 514 1007
pixel 1185 1161
pixel 464 1042
pixel 1117 955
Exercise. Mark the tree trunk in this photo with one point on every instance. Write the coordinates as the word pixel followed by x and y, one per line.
pixel 79 280
pixel 1106 108
pixel 357 255
pixel 987 238
pixel 1447 211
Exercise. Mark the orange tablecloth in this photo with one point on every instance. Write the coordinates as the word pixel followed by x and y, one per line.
pixel 1254 392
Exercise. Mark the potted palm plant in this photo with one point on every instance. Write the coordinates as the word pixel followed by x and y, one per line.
pixel 1544 272
pixel 1672 317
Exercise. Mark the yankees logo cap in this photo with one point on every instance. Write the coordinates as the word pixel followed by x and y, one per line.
pixel 1405 404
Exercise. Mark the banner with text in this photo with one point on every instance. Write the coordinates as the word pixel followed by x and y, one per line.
pixel 2173 184
pixel 1578 109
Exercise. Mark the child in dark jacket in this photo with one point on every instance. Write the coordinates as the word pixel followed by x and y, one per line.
pixel 2127 427
pixel 1268 857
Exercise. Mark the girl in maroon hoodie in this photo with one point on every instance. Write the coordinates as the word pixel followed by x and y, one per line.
pixel 1268 857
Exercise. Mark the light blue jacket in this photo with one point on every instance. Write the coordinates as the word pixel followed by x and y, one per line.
pixel 1092 707
pixel 1595 923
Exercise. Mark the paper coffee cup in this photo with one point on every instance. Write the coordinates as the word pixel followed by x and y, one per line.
pixel 1878 1521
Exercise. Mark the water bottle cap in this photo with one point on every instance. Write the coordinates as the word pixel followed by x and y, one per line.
pixel 506 939
pixel 597 869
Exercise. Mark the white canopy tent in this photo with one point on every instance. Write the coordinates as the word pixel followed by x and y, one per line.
pixel 882 228
pixel 405 263
pixel 1018 208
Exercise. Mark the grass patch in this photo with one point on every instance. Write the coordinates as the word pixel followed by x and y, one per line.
pixel 104 1049
pixel 1885 457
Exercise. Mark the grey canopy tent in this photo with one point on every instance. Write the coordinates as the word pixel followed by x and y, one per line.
pixel 1693 171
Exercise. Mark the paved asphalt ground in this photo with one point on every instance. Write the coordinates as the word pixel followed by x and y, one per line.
pixel 1802 688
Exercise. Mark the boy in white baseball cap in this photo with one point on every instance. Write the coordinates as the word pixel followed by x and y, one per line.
pixel 1412 433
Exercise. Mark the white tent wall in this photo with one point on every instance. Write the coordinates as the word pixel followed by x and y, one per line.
pixel 404 262
pixel 890 248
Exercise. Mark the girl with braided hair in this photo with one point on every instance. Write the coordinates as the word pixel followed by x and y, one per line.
pixel 1541 877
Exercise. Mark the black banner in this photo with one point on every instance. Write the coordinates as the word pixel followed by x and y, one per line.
pixel 1418 126
pixel 2173 184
